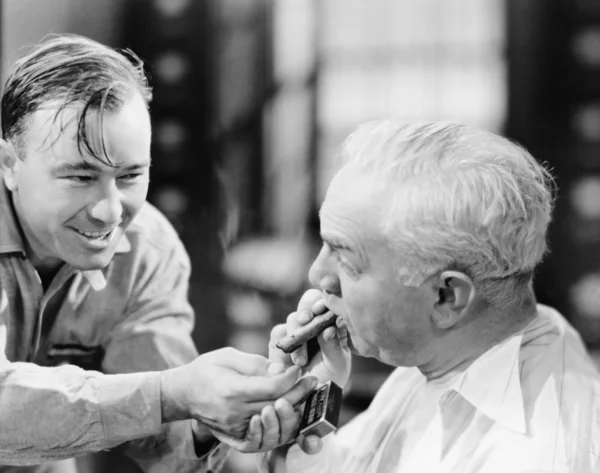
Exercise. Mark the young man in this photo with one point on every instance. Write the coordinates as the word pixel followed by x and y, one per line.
pixel 95 346
pixel 432 233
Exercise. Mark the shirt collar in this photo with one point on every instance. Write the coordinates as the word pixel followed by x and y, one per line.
pixel 96 277
pixel 492 384
pixel 11 239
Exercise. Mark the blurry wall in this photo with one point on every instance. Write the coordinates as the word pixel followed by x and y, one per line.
pixel 554 111
pixel 409 59
pixel 25 22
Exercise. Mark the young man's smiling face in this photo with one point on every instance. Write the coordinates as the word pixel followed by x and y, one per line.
pixel 72 207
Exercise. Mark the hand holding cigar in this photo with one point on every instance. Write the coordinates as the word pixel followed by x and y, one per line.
pixel 294 342
pixel 303 334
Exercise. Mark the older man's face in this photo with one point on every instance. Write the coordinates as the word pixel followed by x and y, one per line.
pixel 356 270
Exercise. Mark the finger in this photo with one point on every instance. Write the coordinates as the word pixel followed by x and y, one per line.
pixel 276 368
pixel 310 444
pixel 294 321
pixel 254 433
pixel 319 307
pixel 289 420
pixel 242 362
pixel 335 352
pixel 308 299
pixel 270 427
pixel 330 333
pixel 250 442
pixel 269 388
pixel 277 355
pixel 301 390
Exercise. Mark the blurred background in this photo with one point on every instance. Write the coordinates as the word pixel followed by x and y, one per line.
pixel 252 98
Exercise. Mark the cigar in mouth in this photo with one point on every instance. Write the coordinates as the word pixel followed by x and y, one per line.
pixel 292 342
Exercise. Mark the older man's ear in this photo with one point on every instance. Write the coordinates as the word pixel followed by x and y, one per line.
pixel 454 292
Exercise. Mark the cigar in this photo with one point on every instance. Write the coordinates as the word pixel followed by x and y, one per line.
pixel 292 342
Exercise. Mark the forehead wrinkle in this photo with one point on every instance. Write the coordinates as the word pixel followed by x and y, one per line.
pixel 348 239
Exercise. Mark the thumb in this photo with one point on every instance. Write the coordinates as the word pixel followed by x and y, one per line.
pixel 311 444
pixel 248 364
pixel 335 352
pixel 271 387
pixel 276 354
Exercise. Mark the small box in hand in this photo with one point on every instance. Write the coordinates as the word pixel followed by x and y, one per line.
pixel 322 410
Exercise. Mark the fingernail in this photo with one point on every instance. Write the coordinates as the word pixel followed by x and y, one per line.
pixel 279 404
pixel 300 360
pixel 312 442
pixel 313 382
pixel 318 306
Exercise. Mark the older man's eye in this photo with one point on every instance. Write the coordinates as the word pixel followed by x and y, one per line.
pixel 345 265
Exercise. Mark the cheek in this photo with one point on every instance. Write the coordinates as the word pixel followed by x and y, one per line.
pixel 365 307
pixel 380 311
pixel 133 199
pixel 47 204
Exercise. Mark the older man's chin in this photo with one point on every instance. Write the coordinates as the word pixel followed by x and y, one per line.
pixel 361 350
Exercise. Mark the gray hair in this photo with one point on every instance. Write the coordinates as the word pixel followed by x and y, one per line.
pixel 463 199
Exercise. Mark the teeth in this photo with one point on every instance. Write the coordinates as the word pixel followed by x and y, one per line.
pixel 94 234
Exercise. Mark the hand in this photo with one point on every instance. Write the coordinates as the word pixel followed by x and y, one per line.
pixel 223 389
pixel 275 426
pixel 332 362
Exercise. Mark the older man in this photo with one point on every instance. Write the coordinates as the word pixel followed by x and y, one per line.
pixel 431 234
pixel 95 346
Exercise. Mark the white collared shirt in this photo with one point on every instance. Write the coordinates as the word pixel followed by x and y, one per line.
pixel 529 404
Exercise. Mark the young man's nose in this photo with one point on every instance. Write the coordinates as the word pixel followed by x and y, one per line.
pixel 108 208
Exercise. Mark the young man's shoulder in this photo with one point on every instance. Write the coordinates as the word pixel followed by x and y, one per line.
pixel 152 231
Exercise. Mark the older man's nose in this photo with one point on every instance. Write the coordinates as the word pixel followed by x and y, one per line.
pixel 322 276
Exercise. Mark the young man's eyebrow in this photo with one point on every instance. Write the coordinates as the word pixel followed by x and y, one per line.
pixel 66 168
pixel 136 167
pixel 75 167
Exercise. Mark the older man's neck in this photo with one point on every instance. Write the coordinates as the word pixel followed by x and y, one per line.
pixel 459 348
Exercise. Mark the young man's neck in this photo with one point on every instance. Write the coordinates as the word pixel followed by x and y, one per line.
pixel 458 349
pixel 47 267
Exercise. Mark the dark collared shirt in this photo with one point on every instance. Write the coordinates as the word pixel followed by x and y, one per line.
pixel 79 362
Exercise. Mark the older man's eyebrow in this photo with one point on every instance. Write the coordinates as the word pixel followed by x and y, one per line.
pixel 336 244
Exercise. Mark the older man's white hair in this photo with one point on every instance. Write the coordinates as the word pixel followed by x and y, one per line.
pixel 463 198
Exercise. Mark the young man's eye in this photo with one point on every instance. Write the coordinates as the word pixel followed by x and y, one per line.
pixel 80 179
pixel 131 176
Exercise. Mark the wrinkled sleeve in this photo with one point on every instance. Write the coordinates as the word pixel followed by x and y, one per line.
pixel 55 413
pixel 353 448
pixel 156 335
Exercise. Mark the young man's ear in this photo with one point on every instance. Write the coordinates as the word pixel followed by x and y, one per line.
pixel 9 164
pixel 455 292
